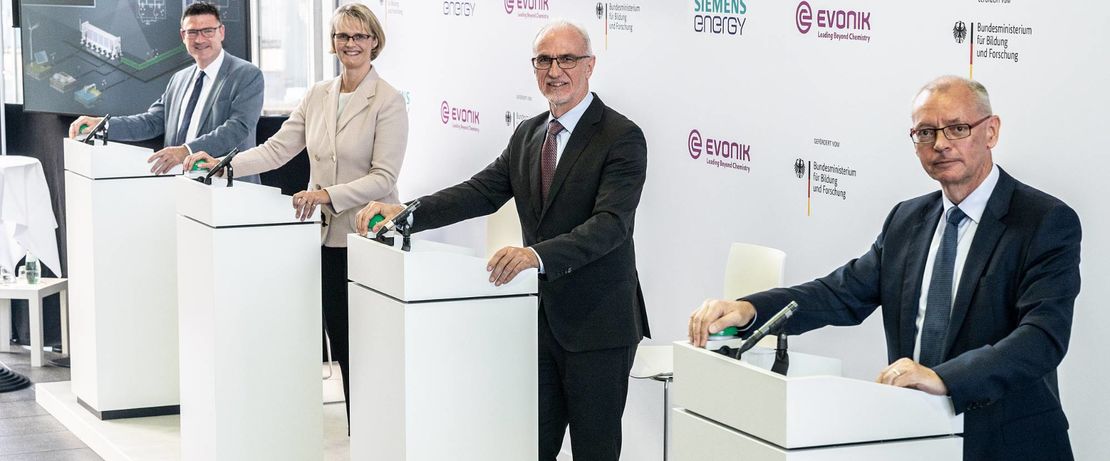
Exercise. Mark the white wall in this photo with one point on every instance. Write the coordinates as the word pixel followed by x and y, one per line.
pixel 776 89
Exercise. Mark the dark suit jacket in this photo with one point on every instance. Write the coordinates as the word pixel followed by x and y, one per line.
pixel 590 291
pixel 1011 317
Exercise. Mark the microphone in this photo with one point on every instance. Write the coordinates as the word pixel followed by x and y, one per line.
pixel 224 162
pixel 401 217
pixel 775 323
pixel 91 135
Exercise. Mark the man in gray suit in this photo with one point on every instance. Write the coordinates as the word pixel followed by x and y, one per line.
pixel 212 106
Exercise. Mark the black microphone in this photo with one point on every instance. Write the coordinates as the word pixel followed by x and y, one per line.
pixel 96 129
pixel 775 323
pixel 224 162
pixel 401 217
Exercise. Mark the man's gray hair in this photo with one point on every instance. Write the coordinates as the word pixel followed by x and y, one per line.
pixel 947 82
pixel 561 23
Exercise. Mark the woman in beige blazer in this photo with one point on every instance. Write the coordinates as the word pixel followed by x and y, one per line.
pixel 355 128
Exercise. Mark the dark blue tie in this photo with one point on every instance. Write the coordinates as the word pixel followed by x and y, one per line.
pixel 938 304
pixel 189 108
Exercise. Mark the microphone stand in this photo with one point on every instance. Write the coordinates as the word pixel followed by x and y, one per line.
pixel 782 359
pixel 405 230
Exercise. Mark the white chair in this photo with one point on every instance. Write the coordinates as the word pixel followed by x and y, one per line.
pixel 503 229
pixel 752 269
pixel 749 269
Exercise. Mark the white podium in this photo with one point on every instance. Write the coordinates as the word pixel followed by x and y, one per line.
pixel 727 409
pixel 122 281
pixel 443 363
pixel 249 297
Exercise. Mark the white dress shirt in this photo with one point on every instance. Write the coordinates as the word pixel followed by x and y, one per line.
pixel 973 206
pixel 210 74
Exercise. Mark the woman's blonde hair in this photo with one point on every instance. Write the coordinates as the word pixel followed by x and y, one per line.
pixel 361 15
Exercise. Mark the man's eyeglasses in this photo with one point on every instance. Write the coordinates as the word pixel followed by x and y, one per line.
pixel 207 32
pixel 951 132
pixel 343 38
pixel 565 61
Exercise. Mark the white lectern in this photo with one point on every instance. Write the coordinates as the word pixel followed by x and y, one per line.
pixel 249 297
pixel 443 362
pixel 122 281
pixel 728 409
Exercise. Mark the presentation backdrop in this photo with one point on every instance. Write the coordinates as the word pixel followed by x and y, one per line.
pixel 780 123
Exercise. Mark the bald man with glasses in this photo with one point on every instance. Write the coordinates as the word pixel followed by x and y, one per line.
pixel 977 283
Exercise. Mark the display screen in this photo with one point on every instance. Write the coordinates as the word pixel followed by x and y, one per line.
pixel 110 56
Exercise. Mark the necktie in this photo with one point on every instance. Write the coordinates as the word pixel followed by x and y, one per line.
pixel 938 304
pixel 189 108
pixel 548 155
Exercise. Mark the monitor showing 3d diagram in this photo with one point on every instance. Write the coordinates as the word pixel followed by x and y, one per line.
pixel 110 56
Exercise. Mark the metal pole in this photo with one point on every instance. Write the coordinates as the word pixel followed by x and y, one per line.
pixel 666 415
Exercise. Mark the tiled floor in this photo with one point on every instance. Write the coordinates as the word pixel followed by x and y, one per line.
pixel 27 432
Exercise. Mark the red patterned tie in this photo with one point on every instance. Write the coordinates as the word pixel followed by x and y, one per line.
pixel 548 152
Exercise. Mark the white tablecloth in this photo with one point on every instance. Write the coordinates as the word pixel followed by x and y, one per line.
pixel 26 214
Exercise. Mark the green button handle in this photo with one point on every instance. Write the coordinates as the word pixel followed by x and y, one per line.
pixel 726 333
pixel 375 220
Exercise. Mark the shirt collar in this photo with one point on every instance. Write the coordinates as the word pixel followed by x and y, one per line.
pixel 976 202
pixel 213 68
pixel 570 119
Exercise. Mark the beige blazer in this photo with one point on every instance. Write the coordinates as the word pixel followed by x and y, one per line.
pixel 355 156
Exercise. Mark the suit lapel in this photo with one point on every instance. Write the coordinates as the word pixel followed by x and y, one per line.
pixel 359 100
pixel 987 234
pixel 213 95
pixel 583 132
pixel 914 273
pixel 331 103
pixel 174 108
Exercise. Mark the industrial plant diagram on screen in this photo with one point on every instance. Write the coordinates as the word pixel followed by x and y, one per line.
pixel 110 56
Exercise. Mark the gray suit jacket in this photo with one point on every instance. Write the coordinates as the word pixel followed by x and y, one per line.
pixel 228 118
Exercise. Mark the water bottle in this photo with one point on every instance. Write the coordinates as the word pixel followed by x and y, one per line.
pixel 32 268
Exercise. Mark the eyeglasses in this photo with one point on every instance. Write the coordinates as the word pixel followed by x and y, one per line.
pixel 565 61
pixel 207 32
pixel 343 38
pixel 951 132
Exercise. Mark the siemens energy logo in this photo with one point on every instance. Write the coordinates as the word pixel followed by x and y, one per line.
pixel 534 9
pixel 720 17
pixel 719 153
pixel 464 9
pixel 833 24
pixel 458 117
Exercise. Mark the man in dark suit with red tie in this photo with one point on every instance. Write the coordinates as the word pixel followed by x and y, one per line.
pixel 576 173
pixel 977 284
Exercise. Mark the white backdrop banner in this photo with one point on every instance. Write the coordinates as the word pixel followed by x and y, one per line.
pixel 782 123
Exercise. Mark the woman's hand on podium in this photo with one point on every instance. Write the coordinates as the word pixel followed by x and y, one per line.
pixel 905 372
pixel 206 162
pixel 715 315
pixel 84 120
pixel 305 202
pixel 387 210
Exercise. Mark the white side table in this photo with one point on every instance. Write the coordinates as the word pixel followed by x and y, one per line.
pixel 34 295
